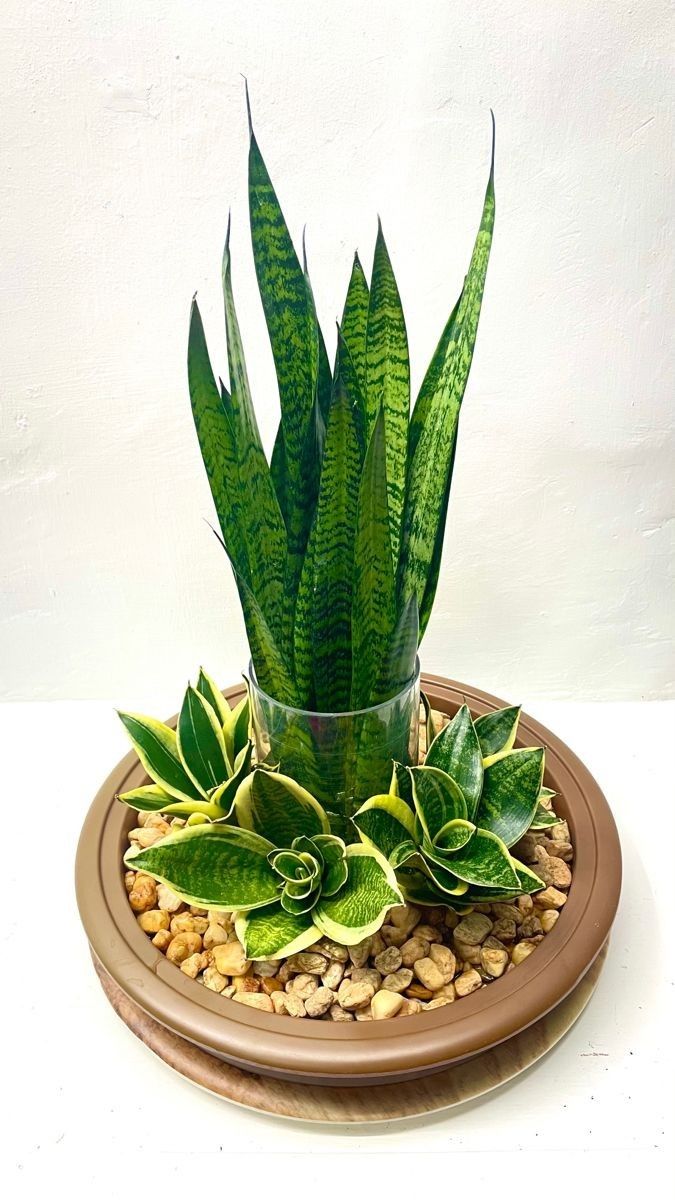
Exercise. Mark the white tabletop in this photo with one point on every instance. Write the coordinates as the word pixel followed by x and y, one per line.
pixel 89 1106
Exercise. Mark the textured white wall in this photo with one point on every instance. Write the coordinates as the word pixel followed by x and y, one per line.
pixel 124 144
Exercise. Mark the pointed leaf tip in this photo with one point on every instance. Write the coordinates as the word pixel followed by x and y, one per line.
pixel 248 106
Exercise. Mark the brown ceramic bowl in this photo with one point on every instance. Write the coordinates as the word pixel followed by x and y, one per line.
pixel 354 1053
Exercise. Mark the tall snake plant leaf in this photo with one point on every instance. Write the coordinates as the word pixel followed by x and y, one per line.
pixel 373 611
pixel 265 532
pixel 333 557
pixel 398 665
pixel 291 323
pixel 430 469
pixel 217 444
pixel 388 379
pixel 271 668
pixel 354 325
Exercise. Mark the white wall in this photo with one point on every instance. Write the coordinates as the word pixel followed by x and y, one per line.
pixel 124 144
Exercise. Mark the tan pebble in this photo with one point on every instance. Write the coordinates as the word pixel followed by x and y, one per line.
pixel 560 832
pixel 438 1002
pixel 198 912
pixel 354 995
pixel 549 917
pixel 333 976
pixel 445 960
pixel 416 947
pixel 246 983
pixel 215 935
pixel 433 916
pixel 393 936
pixel 145 837
pixel 302 986
pixel 270 984
pixel 201 925
pixel 524 850
pixel 278 1001
pixel 129 880
pixel 377 944
pixel 294 1005
pixel 143 895
pixel 359 954
pixel 398 981
pixel 430 933
pixel 409 1008
pixel 183 923
pixel 447 992
pixel 469 982
pixel 230 959
pixel 153 921
pixel 466 953
pixel 182 946
pixel 521 951
pixel 388 960
pixel 228 992
pixel 307 963
pixel 493 943
pixel 254 1000
pixel 193 965
pixel 332 950
pixel 284 973
pixel 451 919
pixel 485 907
pixel 404 916
pixel 524 904
pixel 473 929
pixel 167 899
pixel 417 991
pixel 530 927
pixel 337 1013
pixel 266 967
pixel 213 980
pixel 162 939
pixel 563 850
pixel 504 930
pixel 430 974
pixel 549 898
pixel 507 912
pixel 553 871
pixel 319 1002
pixel 216 916
pixel 156 821
pixel 366 975
pixel 494 962
pixel 385 1004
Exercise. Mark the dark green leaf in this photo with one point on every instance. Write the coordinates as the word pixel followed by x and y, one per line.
pixel 201 744
pixel 510 793
pixel 456 751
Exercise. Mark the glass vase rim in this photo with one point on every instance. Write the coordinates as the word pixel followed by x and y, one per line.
pixel 354 712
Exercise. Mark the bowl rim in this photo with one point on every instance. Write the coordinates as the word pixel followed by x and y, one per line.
pixel 359 1052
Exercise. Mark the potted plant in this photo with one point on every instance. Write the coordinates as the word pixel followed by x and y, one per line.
pixel 331 843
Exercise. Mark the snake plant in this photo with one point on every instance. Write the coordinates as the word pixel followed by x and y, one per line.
pixel 336 543
pixel 289 879
pixel 196 768
pixel 447 827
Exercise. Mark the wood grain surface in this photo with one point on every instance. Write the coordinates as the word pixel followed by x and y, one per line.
pixel 353 1105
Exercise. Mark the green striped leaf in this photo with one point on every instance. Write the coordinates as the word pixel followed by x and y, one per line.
pixel 150 798
pixel 354 325
pixel 426 396
pixel 333 557
pixel 265 532
pixel 334 854
pixel 398 664
pixel 359 908
pixel 497 730
pixel 385 821
pixel 483 860
pixel 346 370
pixel 388 380
pixel 274 804
pixel 201 744
pixel 419 888
pixel 435 428
pixel 223 797
pixel 211 866
pixel 236 728
pixel 438 799
pixel 217 444
pixel 211 692
pixel 401 783
pixel 432 729
pixel 373 611
pixel 157 748
pixel 443 877
pixel 510 794
pixel 457 751
pixel 454 835
pixel 271 669
pixel 273 933
pixel 544 818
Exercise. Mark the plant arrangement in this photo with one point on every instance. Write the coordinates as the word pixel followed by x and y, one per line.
pixel 305 812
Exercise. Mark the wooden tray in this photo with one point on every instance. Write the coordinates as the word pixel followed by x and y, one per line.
pixel 353 1105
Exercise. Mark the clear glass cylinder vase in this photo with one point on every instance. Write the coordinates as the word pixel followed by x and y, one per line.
pixel 341 758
